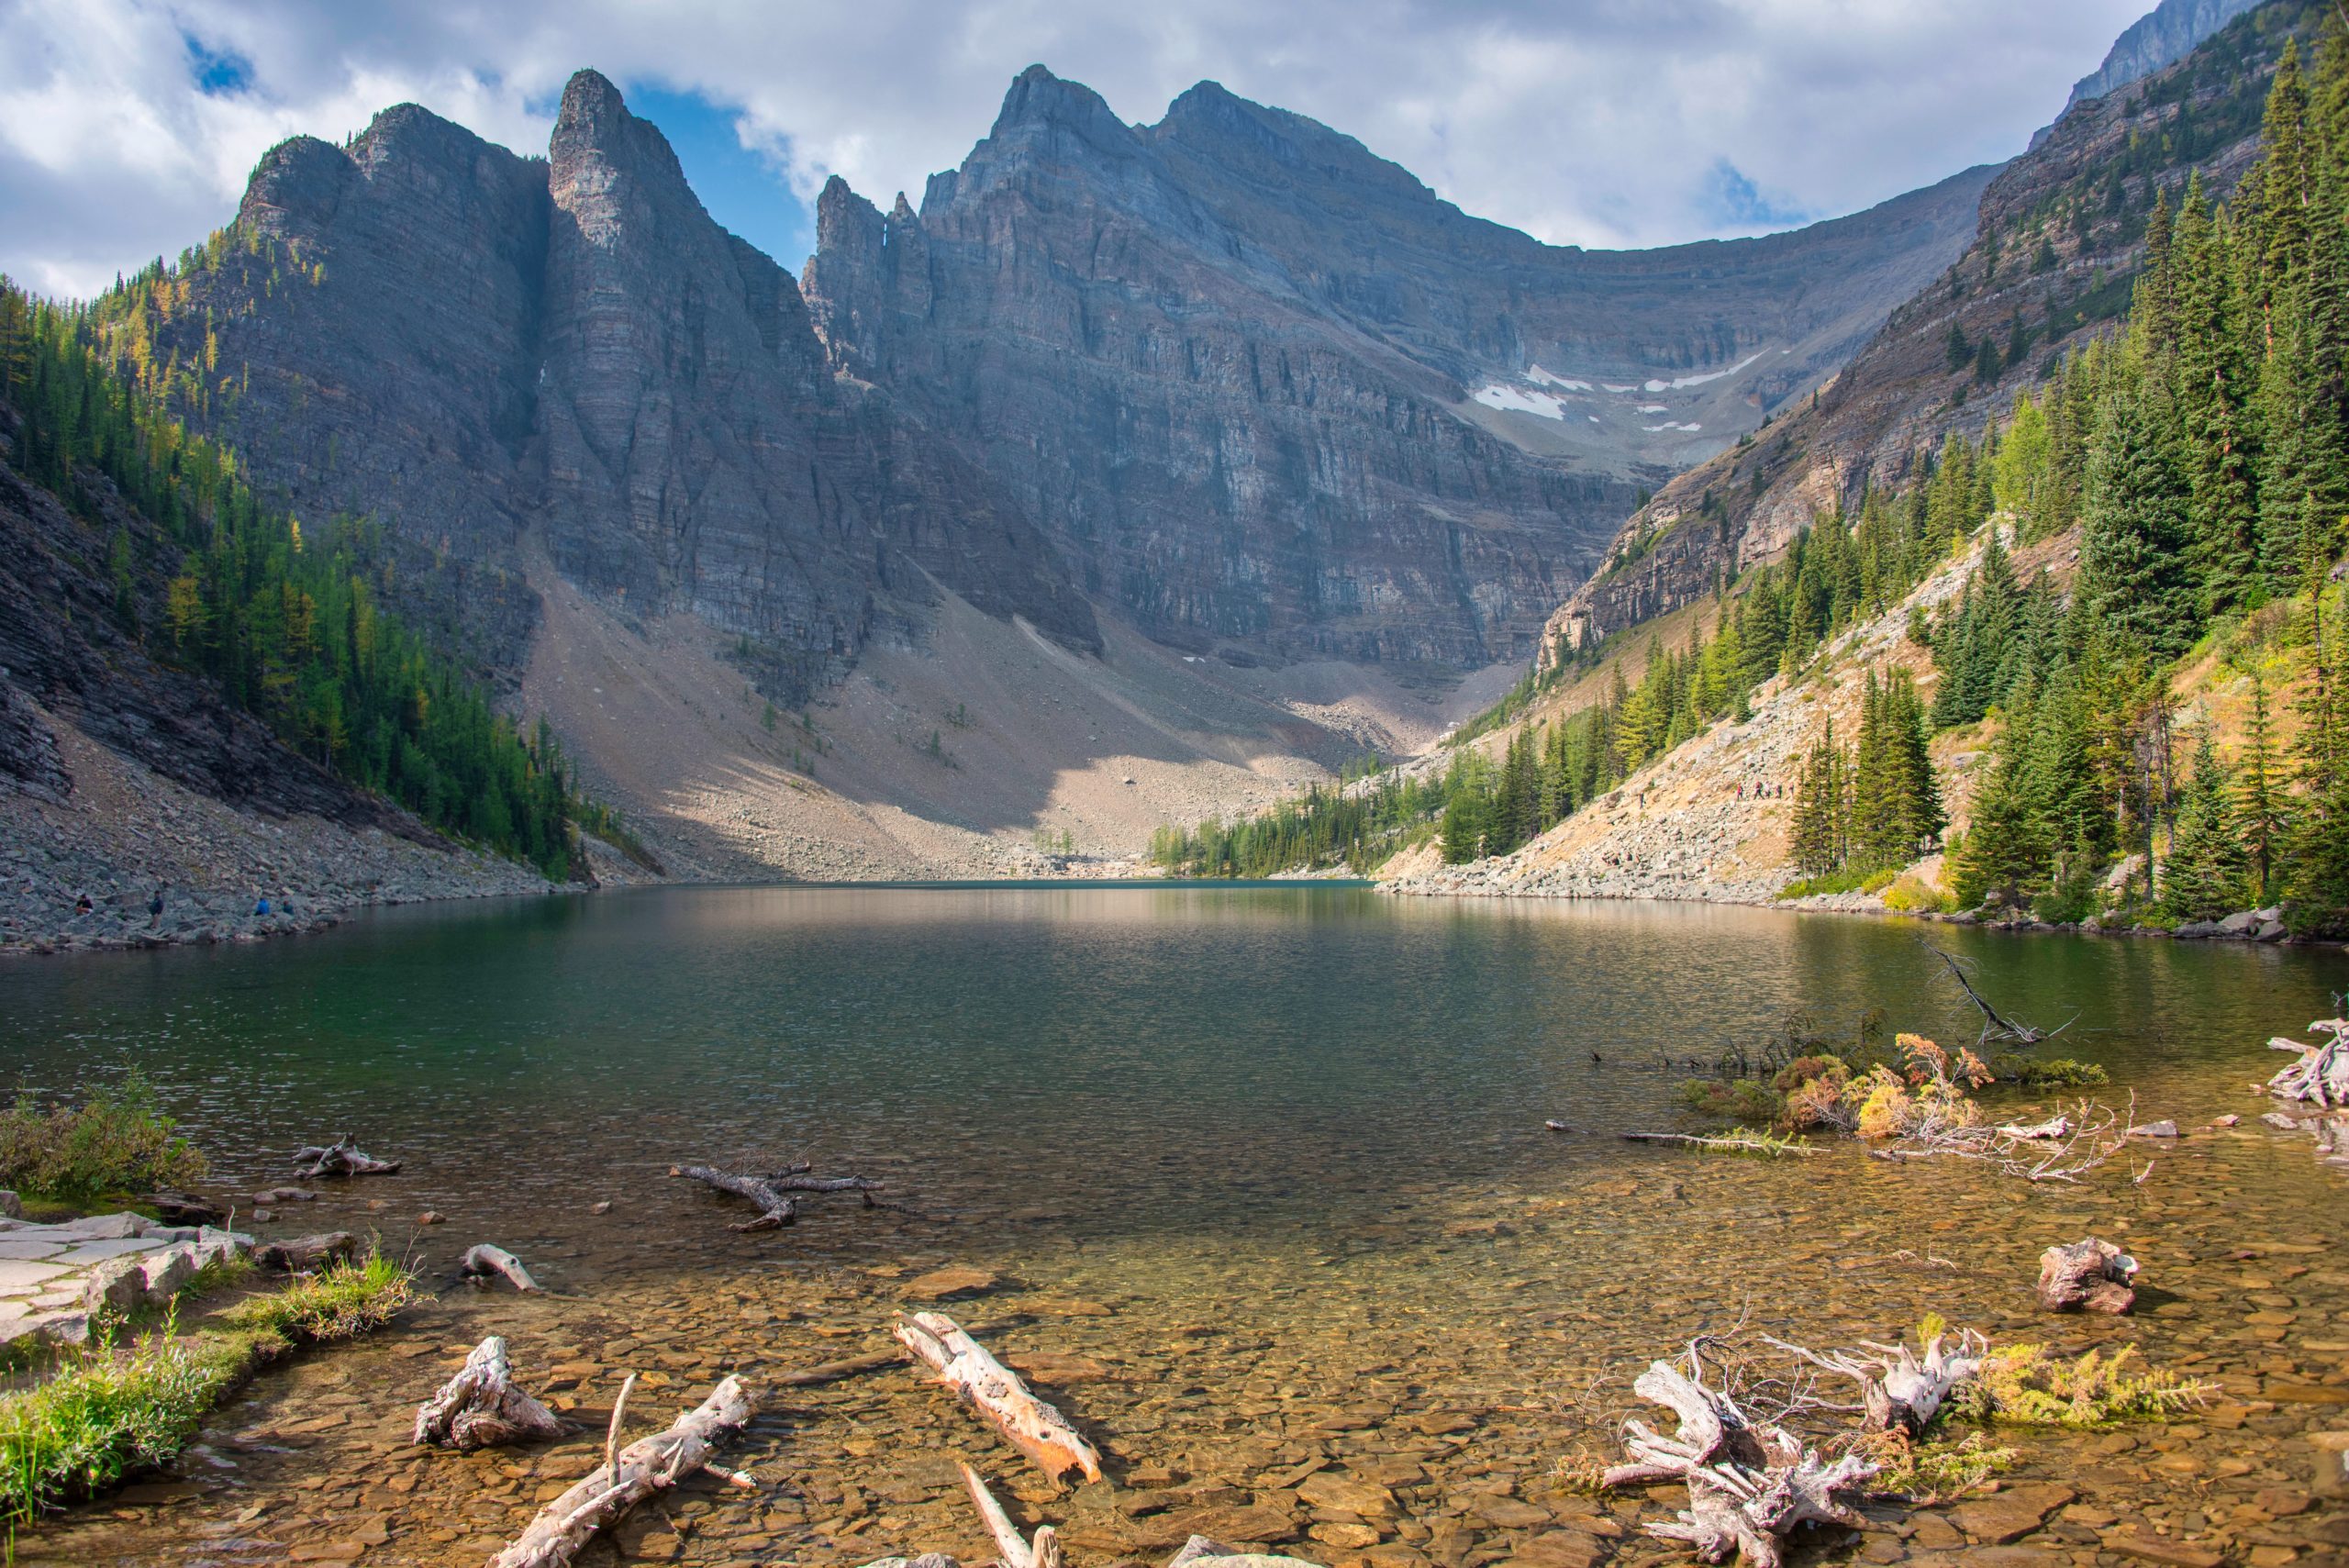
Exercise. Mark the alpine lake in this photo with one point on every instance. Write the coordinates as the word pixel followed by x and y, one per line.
pixel 1252 1182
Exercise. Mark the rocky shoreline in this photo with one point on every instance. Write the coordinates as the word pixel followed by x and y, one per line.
pixel 125 831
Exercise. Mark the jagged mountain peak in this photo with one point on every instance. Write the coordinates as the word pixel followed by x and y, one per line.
pixel 1039 98
pixel 1213 121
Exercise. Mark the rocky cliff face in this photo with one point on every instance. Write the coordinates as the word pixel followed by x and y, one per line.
pixel 2162 37
pixel 1267 393
pixel 2060 233
pixel 1231 376
pixel 480 350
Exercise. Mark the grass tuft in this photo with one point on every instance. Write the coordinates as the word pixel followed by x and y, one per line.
pixel 341 1301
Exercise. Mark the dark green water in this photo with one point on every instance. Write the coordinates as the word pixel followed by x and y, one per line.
pixel 1143 1057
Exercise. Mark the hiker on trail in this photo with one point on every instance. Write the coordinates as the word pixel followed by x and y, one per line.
pixel 155 908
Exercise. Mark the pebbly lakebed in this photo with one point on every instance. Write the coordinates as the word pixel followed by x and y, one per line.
pixel 1261 1179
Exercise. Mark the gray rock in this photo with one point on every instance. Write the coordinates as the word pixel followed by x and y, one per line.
pixel 11 1205
pixel 2241 924
pixel 113 1286
pixel 163 1274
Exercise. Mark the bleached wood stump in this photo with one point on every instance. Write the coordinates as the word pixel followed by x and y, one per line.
pixel 482 1408
pixel 1750 1486
pixel 2321 1073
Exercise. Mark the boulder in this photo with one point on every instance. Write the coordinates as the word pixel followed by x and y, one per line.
pixel 114 1286
pixel 2239 925
pixel 11 1205
pixel 2089 1275
pixel 163 1274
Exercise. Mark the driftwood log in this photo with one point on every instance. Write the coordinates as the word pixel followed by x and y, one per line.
pixel 340 1158
pixel 303 1254
pixel 2321 1073
pixel 1901 1389
pixel 1032 1427
pixel 2088 1276
pixel 482 1261
pixel 482 1408
pixel 648 1466
pixel 1750 1486
pixel 1014 1550
pixel 772 1190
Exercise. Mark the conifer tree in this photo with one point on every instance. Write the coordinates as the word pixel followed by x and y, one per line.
pixel 2204 877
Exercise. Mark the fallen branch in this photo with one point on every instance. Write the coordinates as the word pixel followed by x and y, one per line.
pixel 1750 1486
pixel 340 1158
pixel 1014 1550
pixel 1728 1143
pixel 645 1467
pixel 770 1190
pixel 480 1406
pixel 1994 1027
pixel 1032 1426
pixel 2087 1274
pixel 484 1260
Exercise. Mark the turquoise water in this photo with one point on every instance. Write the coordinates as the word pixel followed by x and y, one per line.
pixel 1154 1057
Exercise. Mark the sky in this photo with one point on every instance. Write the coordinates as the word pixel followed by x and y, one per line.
pixel 127 127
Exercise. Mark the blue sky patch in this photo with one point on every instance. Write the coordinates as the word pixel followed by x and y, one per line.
pixel 1733 201
pixel 216 72
pixel 742 190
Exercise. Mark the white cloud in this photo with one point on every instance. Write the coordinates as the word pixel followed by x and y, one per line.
pixel 1597 122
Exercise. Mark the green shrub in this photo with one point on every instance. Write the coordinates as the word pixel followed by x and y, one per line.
pixel 2026 1385
pixel 2071 897
pixel 115 1143
pixel 1913 894
pixel 339 1302
pixel 1928 1474
pixel 2055 1073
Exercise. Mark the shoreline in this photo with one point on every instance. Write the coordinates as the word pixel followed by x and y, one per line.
pixel 1420 886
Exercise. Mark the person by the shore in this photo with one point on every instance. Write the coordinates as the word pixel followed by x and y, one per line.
pixel 155 908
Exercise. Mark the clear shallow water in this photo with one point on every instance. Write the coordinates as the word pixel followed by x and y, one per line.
pixel 1268 1164
pixel 1154 1058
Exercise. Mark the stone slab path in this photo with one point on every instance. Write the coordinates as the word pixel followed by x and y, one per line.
pixel 56 1280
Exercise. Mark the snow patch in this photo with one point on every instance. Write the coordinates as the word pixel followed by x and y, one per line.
pixel 1540 377
pixel 1511 400
pixel 1679 381
pixel 1655 408
pixel 1668 424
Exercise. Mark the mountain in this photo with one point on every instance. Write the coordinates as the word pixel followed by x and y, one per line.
pixel 2059 235
pixel 1263 388
pixel 1142 472
pixel 2162 37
